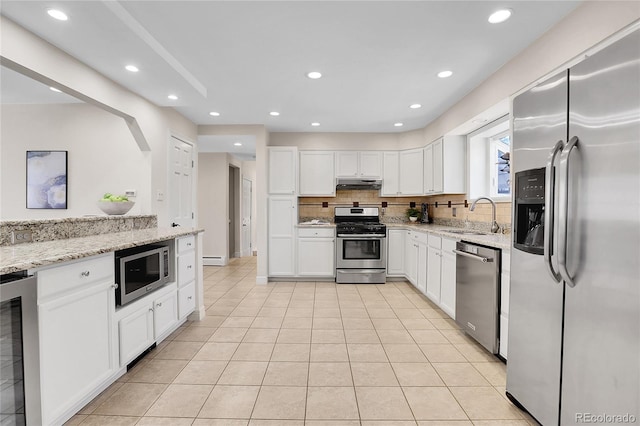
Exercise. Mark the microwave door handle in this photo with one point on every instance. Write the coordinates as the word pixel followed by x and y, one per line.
pixel 563 210
pixel 549 211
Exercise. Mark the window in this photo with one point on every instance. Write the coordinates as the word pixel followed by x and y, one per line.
pixel 489 161
pixel 500 179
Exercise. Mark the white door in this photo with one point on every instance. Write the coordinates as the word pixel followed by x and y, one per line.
pixel 181 183
pixel 246 217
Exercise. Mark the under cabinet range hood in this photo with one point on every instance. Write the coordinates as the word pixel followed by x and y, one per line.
pixel 357 183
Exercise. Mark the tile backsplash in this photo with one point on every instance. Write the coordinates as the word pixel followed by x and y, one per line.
pixel 311 208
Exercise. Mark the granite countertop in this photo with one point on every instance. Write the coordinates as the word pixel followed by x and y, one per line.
pixel 21 257
pixel 492 240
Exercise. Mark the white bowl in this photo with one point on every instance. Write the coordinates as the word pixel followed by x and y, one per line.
pixel 413 218
pixel 115 207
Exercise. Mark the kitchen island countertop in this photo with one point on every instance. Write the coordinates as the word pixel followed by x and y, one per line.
pixel 26 256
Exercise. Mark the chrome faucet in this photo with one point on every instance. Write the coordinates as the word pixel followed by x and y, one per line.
pixel 494 225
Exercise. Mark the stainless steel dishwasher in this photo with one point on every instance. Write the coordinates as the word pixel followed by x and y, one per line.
pixel 478 293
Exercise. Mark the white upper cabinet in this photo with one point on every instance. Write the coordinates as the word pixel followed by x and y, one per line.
pixel 347 164
pixel 411 172
pixel 391 174
pixel 445 166
pixel 363 164
pixel 283 170
pixel 317 173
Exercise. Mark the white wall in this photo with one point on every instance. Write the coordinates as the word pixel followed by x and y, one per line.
pixel 213 198
pixel 102 157
pixel 150 125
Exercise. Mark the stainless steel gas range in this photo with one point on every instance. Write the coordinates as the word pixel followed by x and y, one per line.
pixel 361 254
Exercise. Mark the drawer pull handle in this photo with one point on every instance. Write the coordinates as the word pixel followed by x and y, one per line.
pixel 190 297
pixel 159 304
pixel 189 266
pixel 150 309
pixel 188 244
pixel 85 273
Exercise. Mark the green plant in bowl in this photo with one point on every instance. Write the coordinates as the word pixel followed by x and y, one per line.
pixel 413 214
pixel 115 204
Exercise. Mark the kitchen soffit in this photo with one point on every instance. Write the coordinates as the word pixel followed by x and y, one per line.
pixel 245 59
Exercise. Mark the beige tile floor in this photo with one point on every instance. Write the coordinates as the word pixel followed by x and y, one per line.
pixel 310 354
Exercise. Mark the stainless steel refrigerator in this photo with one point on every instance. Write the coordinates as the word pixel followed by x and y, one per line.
pixel 574 324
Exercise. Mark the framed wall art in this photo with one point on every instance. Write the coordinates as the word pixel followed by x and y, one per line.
pixel 46 179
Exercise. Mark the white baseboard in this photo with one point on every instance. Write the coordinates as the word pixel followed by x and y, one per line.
pixel 214 260
pixel 262 280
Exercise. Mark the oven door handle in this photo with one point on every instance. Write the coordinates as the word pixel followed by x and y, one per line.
pixel 359 236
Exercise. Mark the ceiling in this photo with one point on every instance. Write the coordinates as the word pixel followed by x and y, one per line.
pixel 17 88
pixel 244 59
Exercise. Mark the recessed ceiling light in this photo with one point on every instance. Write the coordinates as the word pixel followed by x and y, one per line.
pixel 237 144
pixel 398 124
pixel 55 90
pixel 315 124
pixel 173 97
pixel 274 113
pixel 500 16
pixel 415 106
pixel 445 74
pixel 214 114
pixel 57 14
pixel 314 75
pixel 131 68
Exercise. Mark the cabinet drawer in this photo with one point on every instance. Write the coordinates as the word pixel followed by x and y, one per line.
pixel 435 241
pixel 186 243
pixel 448 245
pixel 60 279
pixel 422 237
pixel 316 232
pixel 186 300
pixel 186 268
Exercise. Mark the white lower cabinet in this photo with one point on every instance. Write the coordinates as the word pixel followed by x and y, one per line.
pixel 411 258
pixel 146 321
pixel 77 343
pixel 434 273
pixel 395 252
pixel 448 278
pixel 316 252
pixel 186 300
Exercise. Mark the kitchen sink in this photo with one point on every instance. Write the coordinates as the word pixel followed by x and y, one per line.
pixel 466 232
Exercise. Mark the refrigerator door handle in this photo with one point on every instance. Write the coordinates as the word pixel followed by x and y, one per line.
pixel 563 213
pixel 549 210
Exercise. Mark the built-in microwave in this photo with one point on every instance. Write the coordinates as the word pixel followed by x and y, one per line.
pixel 141 270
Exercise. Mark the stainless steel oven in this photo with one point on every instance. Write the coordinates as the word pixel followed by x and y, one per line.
pixel 361 252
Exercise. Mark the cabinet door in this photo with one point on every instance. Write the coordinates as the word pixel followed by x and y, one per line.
pixel 165 313
pixel 346 164
pixel 411 172
pixel 283 170
pixel 438 185
pixel 454 165
pixel 395 252
pixel 391 174
pixel 428 169
pixel 186 299
pixel 186 268
pixel 448 279
pixel 422 267
pixel 75 346
pixel 317 173
pixel 370 165
pixel 316 257
pixel 136 334
pixel 434 274
pixel 283 216
pixel 411 258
